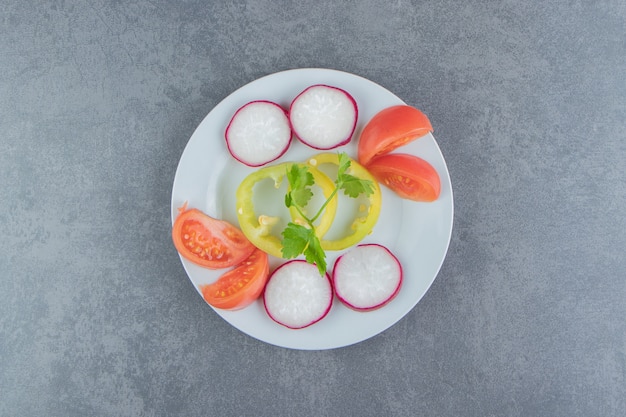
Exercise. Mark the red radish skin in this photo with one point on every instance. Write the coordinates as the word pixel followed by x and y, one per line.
pixel 297 296
pixel 258 133
pixel 323 117
pixel 367 277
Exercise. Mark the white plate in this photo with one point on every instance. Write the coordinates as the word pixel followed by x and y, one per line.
pixel 418 233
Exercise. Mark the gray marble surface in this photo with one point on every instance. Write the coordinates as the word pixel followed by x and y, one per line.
pixel 527 316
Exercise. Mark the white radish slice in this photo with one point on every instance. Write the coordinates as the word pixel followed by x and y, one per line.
pixel 297 296
pixel 323 117
pixel 258 133
pixel 367 277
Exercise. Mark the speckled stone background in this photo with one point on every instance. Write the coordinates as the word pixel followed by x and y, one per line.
pixel 527 316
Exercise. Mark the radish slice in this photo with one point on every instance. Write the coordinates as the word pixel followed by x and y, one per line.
pixel 323 117
pixel 297 296
pixel 367 277
pixel 258 133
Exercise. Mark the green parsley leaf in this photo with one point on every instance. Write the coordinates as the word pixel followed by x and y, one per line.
pixel 298 239
pixel 301 197
pixel 343 163
pixel 295 240
pixel 353 186
pixel 314 254
pixel 300 179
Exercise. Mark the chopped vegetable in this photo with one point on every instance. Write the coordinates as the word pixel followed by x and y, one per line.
pixel 258 133
pixel 407 175
pixel 299 238
pixel 258 225
pixel 323 117
pixel 367 277
pixel 355 182
pixel 389 129
pixel 209 242
pixel 297 296
pixel 240 286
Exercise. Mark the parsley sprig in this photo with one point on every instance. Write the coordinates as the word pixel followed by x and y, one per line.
pixel 301 238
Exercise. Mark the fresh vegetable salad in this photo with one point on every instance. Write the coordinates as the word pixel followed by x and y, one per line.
pixel 299 292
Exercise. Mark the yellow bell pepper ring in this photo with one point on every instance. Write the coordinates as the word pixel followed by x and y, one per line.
pixel 365 217
pixel 258 226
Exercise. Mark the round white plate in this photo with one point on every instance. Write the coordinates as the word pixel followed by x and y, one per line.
pixel 417 233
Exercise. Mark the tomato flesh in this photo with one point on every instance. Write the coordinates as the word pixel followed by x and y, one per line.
pixel 240 286
pixel 389 129
pixel 407 175
pixel 209 242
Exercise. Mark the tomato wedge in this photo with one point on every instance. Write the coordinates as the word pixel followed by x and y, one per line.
pixel 239 287
pixel 389 129
pixel 209 242
pixel 407 175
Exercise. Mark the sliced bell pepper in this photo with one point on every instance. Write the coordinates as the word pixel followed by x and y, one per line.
pixel 367 215
pixel 258 226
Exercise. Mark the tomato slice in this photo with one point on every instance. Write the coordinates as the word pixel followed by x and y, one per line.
pixel 209 242
pixel 407 175
pixel 389 129
pixel 240 286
